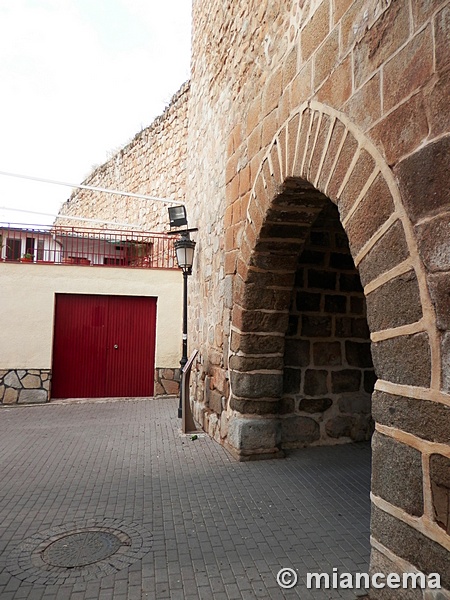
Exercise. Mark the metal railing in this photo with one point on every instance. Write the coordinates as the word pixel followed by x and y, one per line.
pixel 86 246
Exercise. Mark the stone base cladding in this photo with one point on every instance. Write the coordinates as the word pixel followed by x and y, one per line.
pixel 167 382
pixel 32 386
pixel 24 386
pixel 247 439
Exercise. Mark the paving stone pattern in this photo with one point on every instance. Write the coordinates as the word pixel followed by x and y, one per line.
pixel 219 529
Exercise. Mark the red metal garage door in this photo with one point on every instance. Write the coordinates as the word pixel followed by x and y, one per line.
pixel 103 346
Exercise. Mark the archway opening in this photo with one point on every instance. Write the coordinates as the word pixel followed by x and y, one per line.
pixel 301 370
pixel 319 157
pixel 328 374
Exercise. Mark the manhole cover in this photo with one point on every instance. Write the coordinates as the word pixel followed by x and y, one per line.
pixel 79 552
pixel 81 549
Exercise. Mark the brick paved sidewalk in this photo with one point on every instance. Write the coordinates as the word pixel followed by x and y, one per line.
pixel 198 524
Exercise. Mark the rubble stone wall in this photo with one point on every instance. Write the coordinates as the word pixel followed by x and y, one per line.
pixel 33 386
pixel 25 386
pixel 167 382
pixel 153 164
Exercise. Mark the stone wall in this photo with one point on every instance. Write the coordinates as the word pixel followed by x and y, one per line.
pixel 33 386
pixel 292 104
pixel 328 372
pixel 153 163
pixel 25 386
pixel 167 382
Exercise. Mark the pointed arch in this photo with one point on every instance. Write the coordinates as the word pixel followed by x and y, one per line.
pixel 318 155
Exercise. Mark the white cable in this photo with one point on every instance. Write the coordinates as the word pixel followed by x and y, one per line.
pixel 33 212
pixel 91 188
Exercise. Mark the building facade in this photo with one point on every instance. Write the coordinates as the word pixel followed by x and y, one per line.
pixel 82 306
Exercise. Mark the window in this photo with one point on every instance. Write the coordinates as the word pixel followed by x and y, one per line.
pixel 40 250
pixel 29 247
pixel 13 248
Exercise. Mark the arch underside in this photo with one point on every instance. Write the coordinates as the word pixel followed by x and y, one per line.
pixel 304 344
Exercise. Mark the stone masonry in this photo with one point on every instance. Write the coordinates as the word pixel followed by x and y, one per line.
pixel 294 107
pixel 153 163
pixel 25 386
pixel 343 100
pixel 328 372
pixel 167 382
pixel 31 386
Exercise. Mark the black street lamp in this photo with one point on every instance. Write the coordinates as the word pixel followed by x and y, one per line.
pixel 184 248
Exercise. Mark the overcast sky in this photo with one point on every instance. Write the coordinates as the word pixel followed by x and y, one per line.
pixel 79 78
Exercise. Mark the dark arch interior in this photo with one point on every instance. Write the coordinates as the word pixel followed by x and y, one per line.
pixel 328 370
pixel 305 354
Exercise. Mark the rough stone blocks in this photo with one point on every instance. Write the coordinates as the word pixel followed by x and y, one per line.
pixel 395 303
pixel 411 545
pixel 423 418
pixel 256 385
pixel 249 435
pixel 397 474
pixel 390 250
pixel 24 386
pixel 424 180
pixel 404 359
pixel 440 487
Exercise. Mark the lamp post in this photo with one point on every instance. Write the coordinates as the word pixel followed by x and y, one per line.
pixel 184 248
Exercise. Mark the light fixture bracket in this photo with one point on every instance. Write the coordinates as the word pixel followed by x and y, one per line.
pixel 181 231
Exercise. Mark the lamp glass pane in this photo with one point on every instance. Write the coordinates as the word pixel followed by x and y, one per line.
pixel 189 256
pixel 181 256
pixel 185 253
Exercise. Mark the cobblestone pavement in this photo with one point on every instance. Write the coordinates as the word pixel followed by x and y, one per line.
pixel 190 521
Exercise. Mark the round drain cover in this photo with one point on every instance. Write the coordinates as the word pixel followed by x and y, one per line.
pixel 81 549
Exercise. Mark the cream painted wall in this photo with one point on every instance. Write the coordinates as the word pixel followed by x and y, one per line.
pixel 27 300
